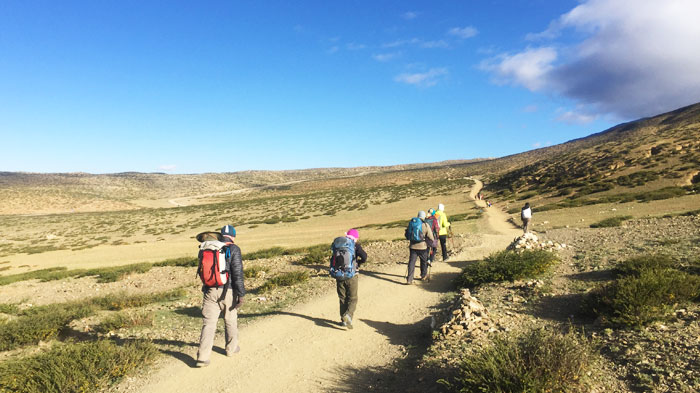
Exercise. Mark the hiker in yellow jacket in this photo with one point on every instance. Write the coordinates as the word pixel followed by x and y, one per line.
pixel 444 229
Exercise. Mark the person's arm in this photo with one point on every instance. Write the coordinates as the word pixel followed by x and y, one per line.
pixel 360 254
pixel 237 271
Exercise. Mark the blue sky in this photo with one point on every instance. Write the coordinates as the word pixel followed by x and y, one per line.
pixel 191 87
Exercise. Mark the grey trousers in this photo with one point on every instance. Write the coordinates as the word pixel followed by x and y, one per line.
pixel 212 306
pixel 347 294
pixel 526 225
pixel 423 256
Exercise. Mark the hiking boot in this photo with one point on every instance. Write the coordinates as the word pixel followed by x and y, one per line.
pixel 409 282
pixel 230 353
pixel 347 321
pixel 201 364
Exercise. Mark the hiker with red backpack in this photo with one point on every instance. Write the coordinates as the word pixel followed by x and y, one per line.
pixel 418 232
pixel 434 224
pixel 346 257
pixel 221 271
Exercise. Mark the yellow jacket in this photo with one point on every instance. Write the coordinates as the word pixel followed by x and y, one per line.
pixel 442 221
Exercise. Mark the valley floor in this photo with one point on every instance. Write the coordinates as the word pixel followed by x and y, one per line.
pixel 303 349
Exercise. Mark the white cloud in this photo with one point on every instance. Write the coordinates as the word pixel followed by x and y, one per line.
pixel 530 109
pixel 636 58
pixel 529 68
pixel 167 167
pixel 410 15
pixel 572 117
pixel 333 49
pixel 463 32
pixel 422 79
pixel 537 144
pixel 384 57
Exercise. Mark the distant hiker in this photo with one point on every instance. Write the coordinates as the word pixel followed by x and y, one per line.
pixel 418 233
pixel 434 224
pixel 221 272
pixel 444 227
pixel 526 215
pixel 347 255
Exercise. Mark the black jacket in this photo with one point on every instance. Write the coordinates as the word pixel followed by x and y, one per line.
pixel 234 264
pixel 360 254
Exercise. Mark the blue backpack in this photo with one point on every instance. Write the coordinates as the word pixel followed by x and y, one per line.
pixel 414 232
pixel 343 258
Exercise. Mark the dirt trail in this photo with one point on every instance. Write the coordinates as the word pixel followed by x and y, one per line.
pixel 301 350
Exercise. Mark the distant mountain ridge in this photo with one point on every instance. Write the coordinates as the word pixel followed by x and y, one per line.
pixel 659 151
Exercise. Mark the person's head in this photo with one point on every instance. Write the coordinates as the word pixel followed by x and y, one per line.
pixel 527 205
pixel 353 234
pixel 431 211
pixel 441 207
pixel 421 215
pixel 228 232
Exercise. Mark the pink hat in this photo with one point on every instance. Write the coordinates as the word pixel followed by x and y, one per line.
pixel 353 234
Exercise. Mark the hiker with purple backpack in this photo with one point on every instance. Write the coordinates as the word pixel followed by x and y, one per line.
pixel 434 224
pixel 346 256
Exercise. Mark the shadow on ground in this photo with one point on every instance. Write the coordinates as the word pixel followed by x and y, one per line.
pixel 399 376
pixel 561 308
pixel 323 322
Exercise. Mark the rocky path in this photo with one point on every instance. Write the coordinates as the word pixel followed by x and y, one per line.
pixel 301 350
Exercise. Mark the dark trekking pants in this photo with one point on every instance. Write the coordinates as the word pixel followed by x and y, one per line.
pixel 347 293
pixel 443 245
pixel 423 255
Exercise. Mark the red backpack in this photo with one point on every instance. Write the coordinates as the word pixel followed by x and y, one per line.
pixel 212 263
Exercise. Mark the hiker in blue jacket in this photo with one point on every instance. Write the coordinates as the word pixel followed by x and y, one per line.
pixel 347 289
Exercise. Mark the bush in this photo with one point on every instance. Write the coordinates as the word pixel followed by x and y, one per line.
pixel 506 266
pixel 317 255
pixel 265 253
pixel 254 271
pixel 535 361
pixel 47 322
pixel 611 222
pixel 83 367
pixel 284 280
pixel 637 300
pixel 40 326
pixel 636 265
pixel 124 320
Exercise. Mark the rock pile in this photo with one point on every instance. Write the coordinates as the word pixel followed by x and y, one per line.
pixel 468 317
pixel 529 241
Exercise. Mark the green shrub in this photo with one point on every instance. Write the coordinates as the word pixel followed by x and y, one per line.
pixel 535 361
pixel 317 255
pixel 178 262
pixel 75 367
pixel 124 320
pixel 637 300
pixel 266 253
pixel 8 308
pixel 284 280
pixel 611 222
pixel 42 323
pixel 507 266
pixel 40 326
pixel 636 265
pixel 254 271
